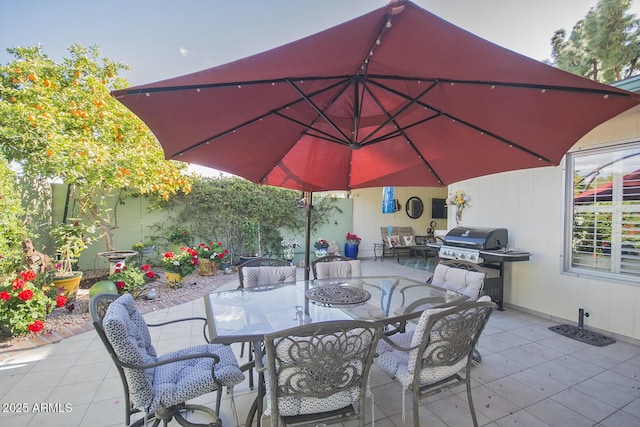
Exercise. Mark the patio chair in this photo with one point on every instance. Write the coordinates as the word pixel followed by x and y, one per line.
pixel 459 276
pixel 259 272
pixel 336 267
pixel 265 271
pixel 319 371
pixel 156 385
pixel 453 275
pixel 431 358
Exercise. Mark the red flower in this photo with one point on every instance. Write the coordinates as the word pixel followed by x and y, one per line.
pixel 150 274
pixel 26 295
pixel 145 267
pixel 221 255
pixel 28 275
pixel 36 326
pixel 17 283
pixel 61 301
pixel 120 285
pixel 168 254
pixel 219 243
pixel 4 296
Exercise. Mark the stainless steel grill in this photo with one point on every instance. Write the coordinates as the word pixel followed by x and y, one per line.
pixel 484 246
pixel 468 244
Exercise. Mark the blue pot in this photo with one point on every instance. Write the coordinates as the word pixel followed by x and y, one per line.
pixel 351 251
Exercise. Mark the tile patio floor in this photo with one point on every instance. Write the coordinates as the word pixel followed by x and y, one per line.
pixel 529 376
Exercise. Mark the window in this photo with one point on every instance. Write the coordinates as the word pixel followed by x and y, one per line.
pixel 603 228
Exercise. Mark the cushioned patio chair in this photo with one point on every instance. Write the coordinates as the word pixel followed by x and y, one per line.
pixel 159 386
pixel 260 272
pixel 437 355
pixel 336 267
pixel 459 276
pixel 265 271
pixel 319 371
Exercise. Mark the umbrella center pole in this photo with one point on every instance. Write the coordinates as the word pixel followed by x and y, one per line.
pixel 307 234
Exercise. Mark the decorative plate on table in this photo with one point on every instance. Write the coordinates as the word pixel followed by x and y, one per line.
pixel 330 295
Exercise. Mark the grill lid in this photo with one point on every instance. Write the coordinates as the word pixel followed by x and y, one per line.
pixel 477 238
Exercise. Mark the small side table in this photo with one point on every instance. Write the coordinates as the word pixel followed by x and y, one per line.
pixel 376 247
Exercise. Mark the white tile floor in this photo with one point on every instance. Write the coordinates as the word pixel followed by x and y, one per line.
pixel 529 376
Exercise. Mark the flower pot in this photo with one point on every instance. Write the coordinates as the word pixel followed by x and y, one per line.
pixel 289 253
pixel 351 250
pixel 322 252
pixel 174 280
pixel 207 267
pixel 224 265
pixel 147 250
pixel 69 284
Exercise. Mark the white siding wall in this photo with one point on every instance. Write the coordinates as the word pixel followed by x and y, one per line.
pixel 530 205
pixel 368 216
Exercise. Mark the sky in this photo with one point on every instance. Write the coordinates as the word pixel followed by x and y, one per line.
pixel 159 39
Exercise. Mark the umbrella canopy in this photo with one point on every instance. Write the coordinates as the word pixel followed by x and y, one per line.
pixel 395 97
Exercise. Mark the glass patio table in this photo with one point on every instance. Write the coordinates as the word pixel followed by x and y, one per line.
pixel 246 315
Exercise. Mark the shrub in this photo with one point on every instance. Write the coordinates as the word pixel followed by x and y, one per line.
pixel 24 305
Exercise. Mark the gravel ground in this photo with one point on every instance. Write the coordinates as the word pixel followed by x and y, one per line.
pixel 194 285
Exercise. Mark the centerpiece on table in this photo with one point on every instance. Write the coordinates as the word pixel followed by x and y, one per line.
pixel 178 265
pixel 322 248
pixel 351 246
pixel 288 248
pixel 210 256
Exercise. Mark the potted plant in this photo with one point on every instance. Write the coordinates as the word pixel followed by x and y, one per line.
pixel 143 248
pixel 129 279
pixel 210 256
pixel 178 265
pixel 25 300
pixel 322 247
pixel 70 242
pixel 351 245
pixel 288 248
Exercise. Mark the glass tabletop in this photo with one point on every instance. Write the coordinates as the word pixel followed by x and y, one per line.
pixel 248 314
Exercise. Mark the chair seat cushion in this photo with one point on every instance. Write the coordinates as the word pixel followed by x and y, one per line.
pixel 333 270
pixel 400 364
pixel 293 406
pixel 396 363
pixel 466 282
pixel 180 381
pixel 266 275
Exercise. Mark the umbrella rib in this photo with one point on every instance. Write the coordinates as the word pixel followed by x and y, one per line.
pixel 149 90
pixel 362 78
pixel 318 110
pixel 401 131
pixel 390 117
pixel 262 116
pixel 319 133
pixel 537 86
pixel 468 124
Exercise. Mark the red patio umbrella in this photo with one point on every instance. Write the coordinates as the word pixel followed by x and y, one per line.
pixel 396 97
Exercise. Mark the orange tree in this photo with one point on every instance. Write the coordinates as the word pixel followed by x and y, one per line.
pixel 58 120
